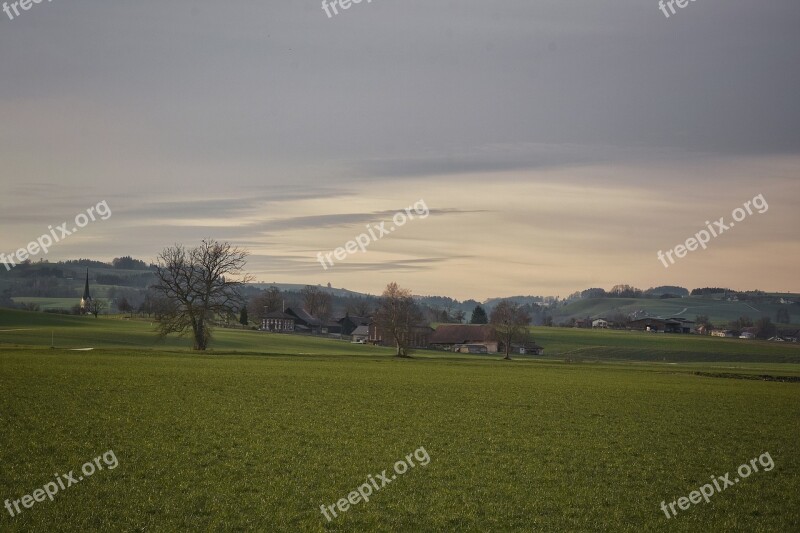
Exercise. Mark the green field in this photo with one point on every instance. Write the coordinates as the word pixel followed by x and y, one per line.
pixel 258 433
pixel 720 312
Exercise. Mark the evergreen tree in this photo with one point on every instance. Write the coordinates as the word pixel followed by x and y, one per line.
pixel 479 316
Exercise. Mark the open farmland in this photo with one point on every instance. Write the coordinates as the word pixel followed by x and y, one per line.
pixel 258 434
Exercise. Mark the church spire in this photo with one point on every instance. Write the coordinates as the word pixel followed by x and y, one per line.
pixel 86 301
pixel 86 288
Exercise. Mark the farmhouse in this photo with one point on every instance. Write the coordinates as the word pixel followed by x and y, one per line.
pixel 663 325
pixel 470 348
pixel 600 323
pixel 420 334
pixel 530 348
pixel 278 322
pixel 448 336
pixel 350 323
pixel 786 336
pixel 360 334
pixel 304 322
pixel 791 336
pixel 748 333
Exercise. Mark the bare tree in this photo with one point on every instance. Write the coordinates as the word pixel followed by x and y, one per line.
pixel 96 307
pixel 359 306
pixel 316 302
pixel 397 315
pixel 509 322
pixel 199 285
pixel 125 306
pixel 265 302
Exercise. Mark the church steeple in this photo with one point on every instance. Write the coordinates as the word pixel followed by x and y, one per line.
pixel 86 288
pixel 87 299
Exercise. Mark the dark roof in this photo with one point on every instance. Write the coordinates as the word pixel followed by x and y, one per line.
pixel 279 314
pixel 461 334
pixel 680 319
pixel 304 316
pixel 358 320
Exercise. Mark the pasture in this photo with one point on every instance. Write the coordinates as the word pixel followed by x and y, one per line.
pixel 256 435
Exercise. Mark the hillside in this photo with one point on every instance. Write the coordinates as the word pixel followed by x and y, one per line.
pixel 718 311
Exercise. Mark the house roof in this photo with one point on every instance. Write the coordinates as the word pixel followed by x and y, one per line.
pixel 361 330
pixel 461 334
pixel 304 316
pixel 279 314
pixel 354 319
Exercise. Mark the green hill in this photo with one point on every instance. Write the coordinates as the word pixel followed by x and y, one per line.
pixel 719 311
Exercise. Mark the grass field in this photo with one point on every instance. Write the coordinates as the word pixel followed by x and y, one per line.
pixel 258 434
pixel 719 311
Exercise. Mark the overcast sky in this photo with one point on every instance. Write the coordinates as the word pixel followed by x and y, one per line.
pixel 558 145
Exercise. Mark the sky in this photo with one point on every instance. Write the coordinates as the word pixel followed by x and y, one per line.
pixel 555 145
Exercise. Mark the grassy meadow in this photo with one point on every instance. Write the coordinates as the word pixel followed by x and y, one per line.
pixel 258 433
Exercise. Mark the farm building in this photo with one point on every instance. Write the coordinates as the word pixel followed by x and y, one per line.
pixel 470 348
pixel 360 334
pixel 748 333
pixel 448 336
pixel 278 322
pixel 529 348
pixel 419 335
pixel 304 322
pixel 349 323
pixel 663 325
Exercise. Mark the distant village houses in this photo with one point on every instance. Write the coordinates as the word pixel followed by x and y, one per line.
pixel 458 338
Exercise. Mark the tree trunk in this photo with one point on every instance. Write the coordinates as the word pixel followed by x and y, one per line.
pixel 402 351
pixel 199 336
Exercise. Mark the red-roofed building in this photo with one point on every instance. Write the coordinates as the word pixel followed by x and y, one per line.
pixel 448 336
